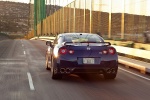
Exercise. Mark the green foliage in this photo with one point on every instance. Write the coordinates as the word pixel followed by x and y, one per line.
pixel 4 36
pixel 131 45
pixel 106 38
pixel 16 36
pixel 119 39
pixel 142 48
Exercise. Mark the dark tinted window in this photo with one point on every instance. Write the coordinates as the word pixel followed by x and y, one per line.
pixel 82 38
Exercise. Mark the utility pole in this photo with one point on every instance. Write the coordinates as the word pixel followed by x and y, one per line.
pixel 35 17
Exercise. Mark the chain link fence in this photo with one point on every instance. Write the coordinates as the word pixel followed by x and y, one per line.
pixel 112 19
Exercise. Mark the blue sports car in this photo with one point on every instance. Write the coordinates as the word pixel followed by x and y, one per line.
pixel 81 53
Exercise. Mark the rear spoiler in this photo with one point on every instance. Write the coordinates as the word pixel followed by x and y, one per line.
pixel 103 43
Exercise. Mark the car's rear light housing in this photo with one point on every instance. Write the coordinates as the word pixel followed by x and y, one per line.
pixel 63 51
pixel 110 50
pixel 105 51
pixel 71 51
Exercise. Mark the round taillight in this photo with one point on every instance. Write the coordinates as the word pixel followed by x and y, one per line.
pixel 112 51
pixel 71 51
pixel 63 51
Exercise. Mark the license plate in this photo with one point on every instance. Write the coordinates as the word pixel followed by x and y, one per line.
pixel 88 61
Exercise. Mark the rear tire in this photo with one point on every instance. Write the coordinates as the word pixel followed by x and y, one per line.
pixel 55 75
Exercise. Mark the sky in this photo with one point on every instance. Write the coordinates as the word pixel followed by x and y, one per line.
pixel 23 1
pixel 61 2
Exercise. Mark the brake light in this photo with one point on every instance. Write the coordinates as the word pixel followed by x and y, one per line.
pixel 111 50
pixel 71 51
pixel 105 52
pixel 62 50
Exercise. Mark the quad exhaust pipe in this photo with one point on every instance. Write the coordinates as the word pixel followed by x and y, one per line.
pixel 62 70
pixel 68 70
pixel 65 70
pixel 109 71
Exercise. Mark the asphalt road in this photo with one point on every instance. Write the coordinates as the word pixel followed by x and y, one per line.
pixel 23 77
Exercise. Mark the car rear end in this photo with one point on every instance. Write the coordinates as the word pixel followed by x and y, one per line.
pixel 85 54
pixel 83 58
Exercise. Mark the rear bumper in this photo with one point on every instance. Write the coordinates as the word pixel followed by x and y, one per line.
pixel 72 67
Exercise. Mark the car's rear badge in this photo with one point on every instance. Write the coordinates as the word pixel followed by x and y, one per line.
pixel 88 48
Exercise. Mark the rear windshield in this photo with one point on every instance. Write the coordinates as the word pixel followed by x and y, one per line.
pixel 83 38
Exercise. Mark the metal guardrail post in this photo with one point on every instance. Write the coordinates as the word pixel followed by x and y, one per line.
pixel 74 17
pixel 84 15
pixel 90 16
pixel 63 19
pixel 109 24
pixel 35 17
pixel 122 20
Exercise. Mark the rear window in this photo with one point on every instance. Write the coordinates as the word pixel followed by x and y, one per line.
pixel 83 38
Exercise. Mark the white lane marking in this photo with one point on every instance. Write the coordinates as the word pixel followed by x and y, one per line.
pixel 24 53
pixel 30 81
pixel 135 74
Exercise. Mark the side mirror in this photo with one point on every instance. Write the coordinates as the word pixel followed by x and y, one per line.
pixel 48 43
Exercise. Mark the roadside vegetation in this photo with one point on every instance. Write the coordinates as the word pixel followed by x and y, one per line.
pixel 4 36
pixel 16 36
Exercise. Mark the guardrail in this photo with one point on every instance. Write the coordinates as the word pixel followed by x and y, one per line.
pixel 142 66
pixel 141 46
pixel 132 51
pixel 44 38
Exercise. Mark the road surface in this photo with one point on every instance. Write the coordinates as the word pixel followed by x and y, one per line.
pixel 23 76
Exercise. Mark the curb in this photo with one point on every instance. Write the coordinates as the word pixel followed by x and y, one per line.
pixel 142 68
